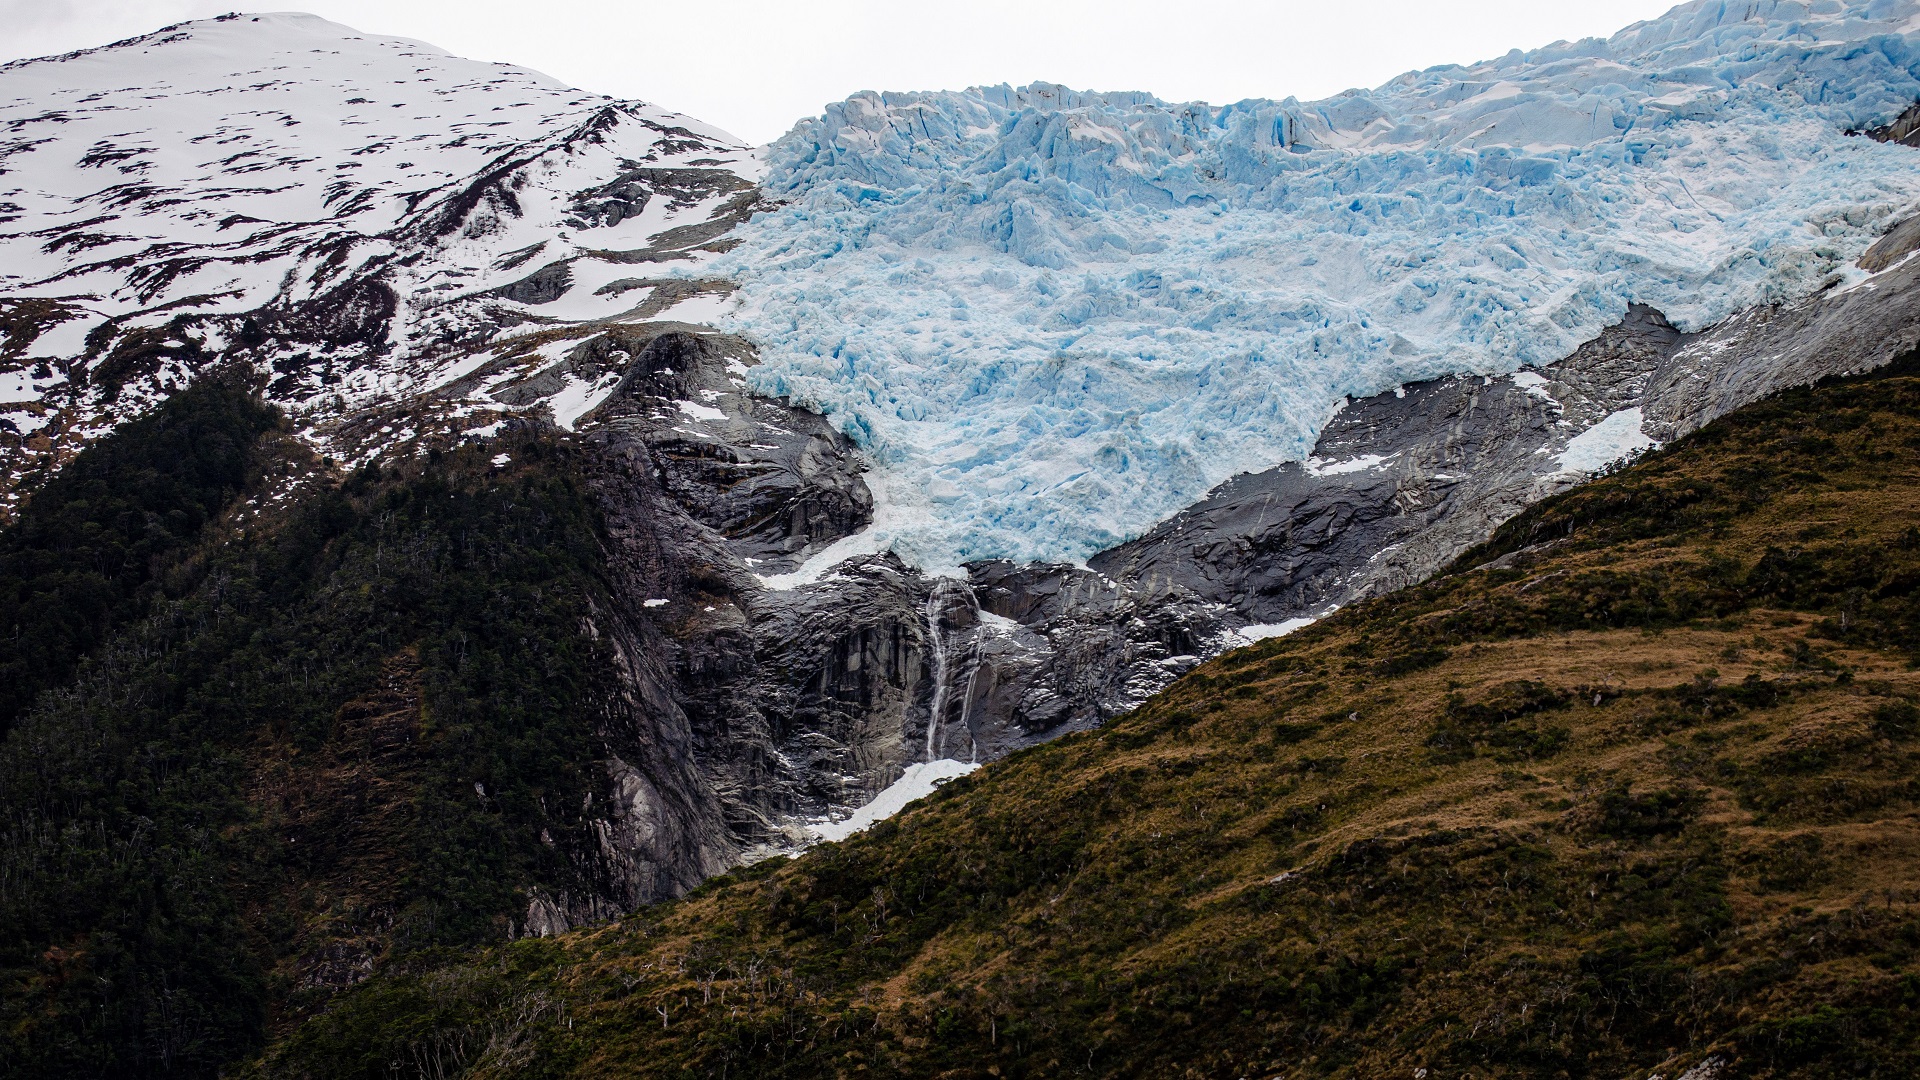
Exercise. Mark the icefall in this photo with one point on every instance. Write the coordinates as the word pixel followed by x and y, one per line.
pixel 1071 314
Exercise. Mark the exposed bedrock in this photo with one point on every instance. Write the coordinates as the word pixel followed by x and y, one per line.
pixel 758 708
pixel 1397 484
pixel 1401 484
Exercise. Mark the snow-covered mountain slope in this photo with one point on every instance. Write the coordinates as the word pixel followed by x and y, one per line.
pixel 360 218
pixel 1057 318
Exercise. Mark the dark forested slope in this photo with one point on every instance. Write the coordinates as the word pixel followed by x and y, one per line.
pixel 1632 791
pixel 84 555
pixel 322 724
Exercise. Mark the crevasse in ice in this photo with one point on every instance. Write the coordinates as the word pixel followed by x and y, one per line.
pixel 1055 318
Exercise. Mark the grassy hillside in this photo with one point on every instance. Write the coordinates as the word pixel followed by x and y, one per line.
pixel 291 729
pixel 1632 789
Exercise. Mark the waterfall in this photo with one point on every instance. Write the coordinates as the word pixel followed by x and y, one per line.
pixel 953 650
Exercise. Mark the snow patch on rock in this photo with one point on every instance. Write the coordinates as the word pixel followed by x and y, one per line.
pixel 918 782
pixel 1262 631
pixel 693 410
pixel 1616 437
pixel 1534 383
pixel 1363 463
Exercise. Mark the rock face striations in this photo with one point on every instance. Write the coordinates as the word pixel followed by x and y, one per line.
pixel 1400 484
pixel 797 694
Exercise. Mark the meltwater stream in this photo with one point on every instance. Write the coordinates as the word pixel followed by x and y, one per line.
pixel 953 635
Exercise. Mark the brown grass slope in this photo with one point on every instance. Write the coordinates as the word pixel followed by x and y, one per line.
pixel 1631 792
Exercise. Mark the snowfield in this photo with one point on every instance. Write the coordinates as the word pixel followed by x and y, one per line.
pixel 198 167
pixel 214 168
pixel 1055 318
pixel 1614 438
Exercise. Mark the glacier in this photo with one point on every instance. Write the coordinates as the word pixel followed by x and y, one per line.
pixel 1055 318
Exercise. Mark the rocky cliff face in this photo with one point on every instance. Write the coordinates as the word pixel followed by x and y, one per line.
pixel 774 699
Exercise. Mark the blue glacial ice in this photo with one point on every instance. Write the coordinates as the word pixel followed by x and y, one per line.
pixel 1055 318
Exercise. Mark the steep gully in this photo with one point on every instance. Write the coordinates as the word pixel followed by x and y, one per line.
pixel 754 708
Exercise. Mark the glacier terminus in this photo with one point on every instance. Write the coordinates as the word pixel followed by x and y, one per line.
pixel 1054 318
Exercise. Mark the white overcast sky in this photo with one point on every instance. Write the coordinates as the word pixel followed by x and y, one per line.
pixel 753 67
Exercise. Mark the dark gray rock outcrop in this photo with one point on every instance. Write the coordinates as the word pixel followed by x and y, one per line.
pixel 1904 129
pixel 1402 483
pixel 756 708
pixel 543 286
pixel 1843 331
pixel 1398 484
